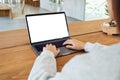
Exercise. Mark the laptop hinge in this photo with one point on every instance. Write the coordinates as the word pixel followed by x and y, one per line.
pixel 50 41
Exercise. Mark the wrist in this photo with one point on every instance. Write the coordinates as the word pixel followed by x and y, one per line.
pixel 80 46
pixel 88 47
pixel 48 52
pixel 83 45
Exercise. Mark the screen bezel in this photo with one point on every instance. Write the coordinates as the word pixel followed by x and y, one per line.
pixel 67 37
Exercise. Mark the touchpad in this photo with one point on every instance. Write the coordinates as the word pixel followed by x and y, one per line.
pixel 65 51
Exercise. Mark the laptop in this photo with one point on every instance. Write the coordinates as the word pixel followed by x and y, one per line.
pixel 48 28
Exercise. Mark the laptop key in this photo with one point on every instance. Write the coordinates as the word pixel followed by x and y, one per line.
pixel 57 44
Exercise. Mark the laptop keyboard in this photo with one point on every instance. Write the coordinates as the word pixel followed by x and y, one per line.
pixel 57 44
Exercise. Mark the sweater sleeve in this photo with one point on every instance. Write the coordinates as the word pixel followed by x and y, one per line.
pixel 44 67
pixel 93 46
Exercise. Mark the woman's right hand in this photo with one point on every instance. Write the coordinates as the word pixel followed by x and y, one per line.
pixel 52 48
pixel 74 44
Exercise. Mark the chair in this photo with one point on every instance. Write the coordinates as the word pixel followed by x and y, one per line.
pixel 19 5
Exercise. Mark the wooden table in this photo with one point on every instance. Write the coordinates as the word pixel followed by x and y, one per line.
pixel 5 10
pixel 20 37
pixel 17 57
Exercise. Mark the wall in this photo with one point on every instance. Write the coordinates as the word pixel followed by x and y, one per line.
pixel 73 8
pixel 45 4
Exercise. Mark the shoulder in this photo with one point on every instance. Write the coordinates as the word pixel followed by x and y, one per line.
pixel 115 48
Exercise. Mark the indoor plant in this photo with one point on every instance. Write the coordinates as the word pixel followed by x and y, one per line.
pixel 110 27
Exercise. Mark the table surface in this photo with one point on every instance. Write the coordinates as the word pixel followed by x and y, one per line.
pixel 4 7
pixel 17 56
pixel 20 37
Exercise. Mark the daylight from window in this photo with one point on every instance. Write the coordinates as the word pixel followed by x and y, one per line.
pixel 95 9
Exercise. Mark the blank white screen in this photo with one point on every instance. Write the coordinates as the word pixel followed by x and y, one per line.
pixel 47 27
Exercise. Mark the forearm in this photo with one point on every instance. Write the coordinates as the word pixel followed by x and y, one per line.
pixel 93 46
pixel 44 67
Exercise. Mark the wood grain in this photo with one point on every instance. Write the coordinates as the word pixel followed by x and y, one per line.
pixel 16 62
pixel 20 37
pixel 17 57
pixel 77 28
pixel 99 37
pixel 13 38
pixel 5 10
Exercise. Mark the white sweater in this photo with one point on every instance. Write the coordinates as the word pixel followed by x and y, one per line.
pixel 100 63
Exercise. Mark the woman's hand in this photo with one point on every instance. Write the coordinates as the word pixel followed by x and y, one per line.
pixel 52 48
pixel 74 44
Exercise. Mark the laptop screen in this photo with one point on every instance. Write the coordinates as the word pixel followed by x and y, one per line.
pixel 43 27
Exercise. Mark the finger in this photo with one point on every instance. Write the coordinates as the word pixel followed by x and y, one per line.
pixel 54 46
pixel 58 50
pixel 47 45
pixel 50 44
pixel 69 46
pixel 67 42
pixel 44 48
